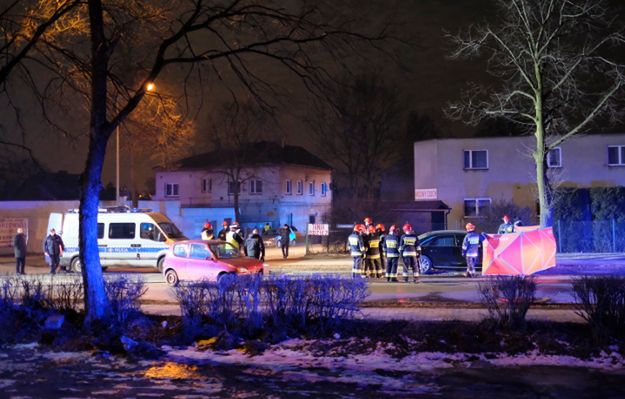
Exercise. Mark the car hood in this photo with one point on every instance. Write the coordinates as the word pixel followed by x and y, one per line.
pixel 249 263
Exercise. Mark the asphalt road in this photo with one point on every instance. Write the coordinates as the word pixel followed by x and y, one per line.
pixel 453 295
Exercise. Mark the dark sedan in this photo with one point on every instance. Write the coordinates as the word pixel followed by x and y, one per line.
pixel 442 250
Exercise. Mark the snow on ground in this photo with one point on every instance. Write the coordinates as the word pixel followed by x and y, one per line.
pixel 296 355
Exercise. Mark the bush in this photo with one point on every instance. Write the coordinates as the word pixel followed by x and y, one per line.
pixel 508 298
pixel 247 305
pixel 124 294
pixel 601 302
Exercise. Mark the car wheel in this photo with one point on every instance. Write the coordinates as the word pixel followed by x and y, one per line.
pixel 159 263
pixel 425 264
pixel 76 265
pixel 171 278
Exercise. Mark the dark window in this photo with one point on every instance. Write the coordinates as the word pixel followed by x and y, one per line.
pixel 444 241
pixel 207 185
pixel 122 230
pixel 232 186
pixel 324 189
pixel 474 207
pixel 171 189
pixel 554 158
pixel 616 155
pixel 300 187
pixel 100 230
pixel 475 159
pixel 288 187
pixel 148 231
pixel 256 186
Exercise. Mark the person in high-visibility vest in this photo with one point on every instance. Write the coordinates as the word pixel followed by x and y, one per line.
pixel 233 237
pixel 373 264
pixel 408 244
pixel 356 248
pixel 391 248
pixel 471 248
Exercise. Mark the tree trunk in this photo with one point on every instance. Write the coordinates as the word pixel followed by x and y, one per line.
pixel 97 306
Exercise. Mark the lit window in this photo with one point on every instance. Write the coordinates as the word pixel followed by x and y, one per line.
pixel 171 189
pixel 256 186
pixel 300 187
pixel 324 189
pixel 554 158
pixel 311 188
pixel 476 207
pixel 288 188
pixel 616 155
pixel 207 185
pixel 475 159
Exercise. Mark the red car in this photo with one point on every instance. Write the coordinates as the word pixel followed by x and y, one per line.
pixel 194 260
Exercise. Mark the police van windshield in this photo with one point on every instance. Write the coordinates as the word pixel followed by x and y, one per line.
pixel 172 231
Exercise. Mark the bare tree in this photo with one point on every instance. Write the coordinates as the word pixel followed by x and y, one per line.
pixel 359 129
pixel 236 128
pixel 231 39
pixel 556 71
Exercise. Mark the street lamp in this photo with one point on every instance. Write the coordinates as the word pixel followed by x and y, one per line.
pixel 148 87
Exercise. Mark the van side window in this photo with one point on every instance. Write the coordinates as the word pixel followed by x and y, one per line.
pixel 122 230
pixel 148 231
pixel 199 251
pixel 180 250
pixel 100 230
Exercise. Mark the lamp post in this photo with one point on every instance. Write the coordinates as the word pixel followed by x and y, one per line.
pixel 148 87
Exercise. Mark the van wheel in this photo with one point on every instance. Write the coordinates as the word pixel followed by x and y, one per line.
pixel 159 264
pixel 76 265
pixel 171 278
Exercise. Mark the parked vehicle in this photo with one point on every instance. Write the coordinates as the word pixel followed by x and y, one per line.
pixel 442 249
pixel 194 260
pixel 271 238
pixel 125 237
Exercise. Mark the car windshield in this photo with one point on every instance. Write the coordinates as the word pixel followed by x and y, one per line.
pixel 225 251
pixel 172 231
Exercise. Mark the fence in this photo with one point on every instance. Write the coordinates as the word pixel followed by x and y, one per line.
pixel 590 236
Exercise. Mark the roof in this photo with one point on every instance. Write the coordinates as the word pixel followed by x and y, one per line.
pixel 254 154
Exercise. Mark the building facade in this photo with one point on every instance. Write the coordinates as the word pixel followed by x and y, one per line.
pixel 280 184
pixel 469 175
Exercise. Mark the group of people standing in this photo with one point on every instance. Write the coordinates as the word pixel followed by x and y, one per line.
pixel 53 248
pixel 376 253
pixel 252 246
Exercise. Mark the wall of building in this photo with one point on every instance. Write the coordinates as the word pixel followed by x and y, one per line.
pixel 511 176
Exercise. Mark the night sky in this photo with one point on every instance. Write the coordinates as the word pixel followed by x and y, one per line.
pixel 427 78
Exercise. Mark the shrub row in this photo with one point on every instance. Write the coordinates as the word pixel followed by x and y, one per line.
pixel 250 305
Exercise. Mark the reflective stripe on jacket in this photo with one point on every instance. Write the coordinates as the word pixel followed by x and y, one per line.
pixel 356 245
pixel 408 244
pixel 391 246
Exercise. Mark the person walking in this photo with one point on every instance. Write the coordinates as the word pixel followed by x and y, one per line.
pixel 356 249
pixel 507 226
pixel 391 248
pixel 19 249
pixel 408 244
pixel 254 246
pixel 285 239
pixel 471 248
pixel 53 248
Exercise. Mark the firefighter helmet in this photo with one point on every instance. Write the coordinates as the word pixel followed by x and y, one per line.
pixel 208 226
pixel 357 227
pixel 380 227
pixel 506 218
pixel 371 228
pixel 368 220
pixel 392 229
pixel 470 227
pixel 406 228
pixel 225 223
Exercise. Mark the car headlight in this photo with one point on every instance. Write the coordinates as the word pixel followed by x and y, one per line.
pixel 242 270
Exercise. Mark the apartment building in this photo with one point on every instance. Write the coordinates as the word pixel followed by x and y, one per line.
pixel 470 174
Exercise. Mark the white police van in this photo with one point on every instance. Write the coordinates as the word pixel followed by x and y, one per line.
pixel 126 237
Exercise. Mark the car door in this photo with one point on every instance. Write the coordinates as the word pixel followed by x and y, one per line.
pixel 457 256
pixel 199 264
pixel 119 248
pixel 442 249
pixel 150 243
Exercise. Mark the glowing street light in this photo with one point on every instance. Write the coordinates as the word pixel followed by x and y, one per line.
pixel 150 86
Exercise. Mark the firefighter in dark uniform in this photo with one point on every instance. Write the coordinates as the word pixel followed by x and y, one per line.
pixel 471 248
pixel 391 249
pixel 373 262
pixel 380 231
pixel 408 244
pixel 223 232
pixel 357 250
pixel 507 226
